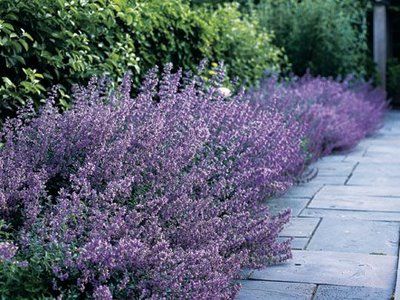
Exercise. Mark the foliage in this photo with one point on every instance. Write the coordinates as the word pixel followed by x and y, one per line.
pixel 159 196
pixel 45 42
pixel 393 78
pixel 328 37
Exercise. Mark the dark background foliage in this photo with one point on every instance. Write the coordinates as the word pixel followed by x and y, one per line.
pixel 327 37
pixel 46 42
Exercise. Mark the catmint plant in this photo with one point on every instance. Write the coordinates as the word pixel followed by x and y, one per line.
pixel 161 196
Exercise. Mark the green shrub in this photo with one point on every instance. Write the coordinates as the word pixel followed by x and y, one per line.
pixel 239 41
pixel 328 37
pixel 63 41
pixel 393 79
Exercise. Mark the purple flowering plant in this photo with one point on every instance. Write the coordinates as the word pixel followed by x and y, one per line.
pixel 160 196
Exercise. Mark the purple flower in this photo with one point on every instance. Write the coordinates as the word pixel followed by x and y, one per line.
pixel 160 196
pixel 7 251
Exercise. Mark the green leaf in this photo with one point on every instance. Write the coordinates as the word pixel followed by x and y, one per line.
pixel 24 44
pixel 8 82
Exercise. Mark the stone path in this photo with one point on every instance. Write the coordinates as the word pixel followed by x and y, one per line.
pixel 345 228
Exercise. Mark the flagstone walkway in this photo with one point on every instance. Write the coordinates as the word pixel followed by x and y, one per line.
pixel 345 226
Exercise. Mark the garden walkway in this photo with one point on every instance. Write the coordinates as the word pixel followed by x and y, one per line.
pixel 345 226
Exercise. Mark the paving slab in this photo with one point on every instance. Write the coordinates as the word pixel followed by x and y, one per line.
pixel 297 243
pixel 375 174
pixel 396 295
pixel 348 190
pixel 356 203
pixel 374 159
pixel 334 268
pixel 296 205
pixel 358 198
pixel 331 180
pixel 374 169
pixel 334 158
pixel 252 290
pixel 307 190
pixel 333 292
pixel 384 148
pixel 356 236
pixel 370 180
pixel 334 168
pixel 351 214
pixel 300 227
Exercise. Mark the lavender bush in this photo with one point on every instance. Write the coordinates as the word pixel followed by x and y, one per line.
pixel 159 196
pixel 336 114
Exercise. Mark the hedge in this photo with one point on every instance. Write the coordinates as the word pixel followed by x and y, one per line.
pixel 46 42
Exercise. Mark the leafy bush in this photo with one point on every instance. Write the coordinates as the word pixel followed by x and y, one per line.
pixel 45 42
pixel 329 37
pixel 393 79
pixel 159 196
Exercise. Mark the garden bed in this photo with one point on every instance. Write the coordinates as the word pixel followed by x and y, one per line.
pixel 159 196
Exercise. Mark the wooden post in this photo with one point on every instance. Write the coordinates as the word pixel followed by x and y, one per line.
pixel 380 38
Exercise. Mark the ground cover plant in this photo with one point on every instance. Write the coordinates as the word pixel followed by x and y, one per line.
pixel 160 196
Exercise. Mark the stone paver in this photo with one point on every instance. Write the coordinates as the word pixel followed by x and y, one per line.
pixel 382 169
pixel 356 202
pixel 296 205
pixel 351 214
pixel 335 268
pixel 345 227
pixel 331 180
pixel 300 227
pixel 252 290
pixel 333 292
pixel 335 168
pixel 356 236
pixel 307 191
pixel 360 191
pixel 384 174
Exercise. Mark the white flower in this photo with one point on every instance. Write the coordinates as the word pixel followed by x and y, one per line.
pixel 224 92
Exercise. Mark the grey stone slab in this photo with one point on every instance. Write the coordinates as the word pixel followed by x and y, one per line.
pixel 374 180
pixel 331 180
pixel 333 292
pixel 334 158
pixel 376 174
pixel 356 202
pixel 334 168
pixel 373 159
pixel 252 290
pixel 307 190
pixel 335 268
pixel 384 148
pixel 351 214
pixel 365 198
pixel 300 227
pixel 377 170
pixel 396 295
pixel 374 191
pixel 382 153
pixel 356 236
pixel 295 204
pixel 297 243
